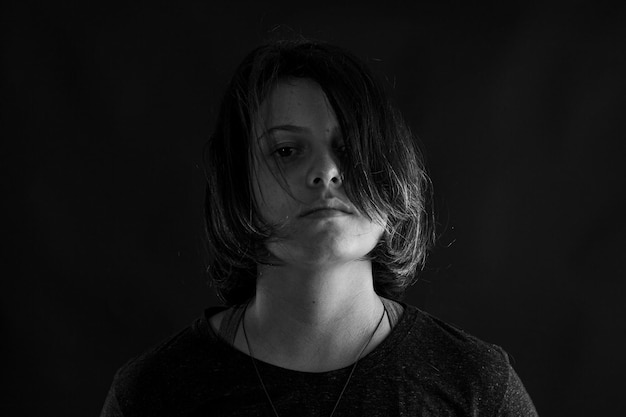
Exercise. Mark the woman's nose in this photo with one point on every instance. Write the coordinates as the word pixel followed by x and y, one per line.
pixel 325 171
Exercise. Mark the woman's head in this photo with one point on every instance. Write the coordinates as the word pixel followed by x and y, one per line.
pixel 381 171
pixel 297 153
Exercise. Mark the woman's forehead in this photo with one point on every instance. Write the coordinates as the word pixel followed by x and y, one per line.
pixel 295 105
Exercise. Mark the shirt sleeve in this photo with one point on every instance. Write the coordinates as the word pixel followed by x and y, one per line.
pixel 111 406
pixel 516 401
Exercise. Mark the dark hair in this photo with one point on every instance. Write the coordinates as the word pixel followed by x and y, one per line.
pixel 383 170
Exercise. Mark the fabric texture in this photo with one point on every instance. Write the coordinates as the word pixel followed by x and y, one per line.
pixel 425 367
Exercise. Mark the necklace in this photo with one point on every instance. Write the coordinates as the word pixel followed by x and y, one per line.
pixel 256 368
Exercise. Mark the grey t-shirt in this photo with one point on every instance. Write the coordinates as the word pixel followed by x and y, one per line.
pixel 424 367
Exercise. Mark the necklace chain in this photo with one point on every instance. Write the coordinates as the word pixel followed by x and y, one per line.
pixel 256 368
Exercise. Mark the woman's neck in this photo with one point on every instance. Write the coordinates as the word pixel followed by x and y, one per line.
pixel 312 319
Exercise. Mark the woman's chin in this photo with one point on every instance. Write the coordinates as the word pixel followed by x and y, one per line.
pixel 322 250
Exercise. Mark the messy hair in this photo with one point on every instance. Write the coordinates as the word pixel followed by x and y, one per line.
pixel 383 170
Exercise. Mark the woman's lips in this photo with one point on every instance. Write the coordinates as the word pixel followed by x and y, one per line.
pixel 333 207
pixel 325 212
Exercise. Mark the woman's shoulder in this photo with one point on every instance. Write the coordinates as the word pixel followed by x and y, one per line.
pixel 451 367
pixel 169 365
pixel 196 339
pixel 436 335
pixel 445 352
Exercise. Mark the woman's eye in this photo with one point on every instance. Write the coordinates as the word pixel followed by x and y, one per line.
pixel 285 151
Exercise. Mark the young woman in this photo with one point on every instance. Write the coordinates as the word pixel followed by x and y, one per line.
pixel 317 220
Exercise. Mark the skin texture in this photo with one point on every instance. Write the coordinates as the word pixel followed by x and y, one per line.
pixel 315 307
pixel 297 168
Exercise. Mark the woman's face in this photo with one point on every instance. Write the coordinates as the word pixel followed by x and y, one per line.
pixel 297 149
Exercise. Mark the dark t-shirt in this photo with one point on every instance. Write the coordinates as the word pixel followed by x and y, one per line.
pixel 424 367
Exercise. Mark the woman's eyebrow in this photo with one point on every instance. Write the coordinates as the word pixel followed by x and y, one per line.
pixel 284 128
pixel 288 128
pixel 335 132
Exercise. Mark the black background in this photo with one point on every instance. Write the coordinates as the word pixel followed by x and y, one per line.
pixel 520 108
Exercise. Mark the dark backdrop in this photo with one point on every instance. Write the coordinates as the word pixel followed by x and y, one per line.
pixel 105 110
